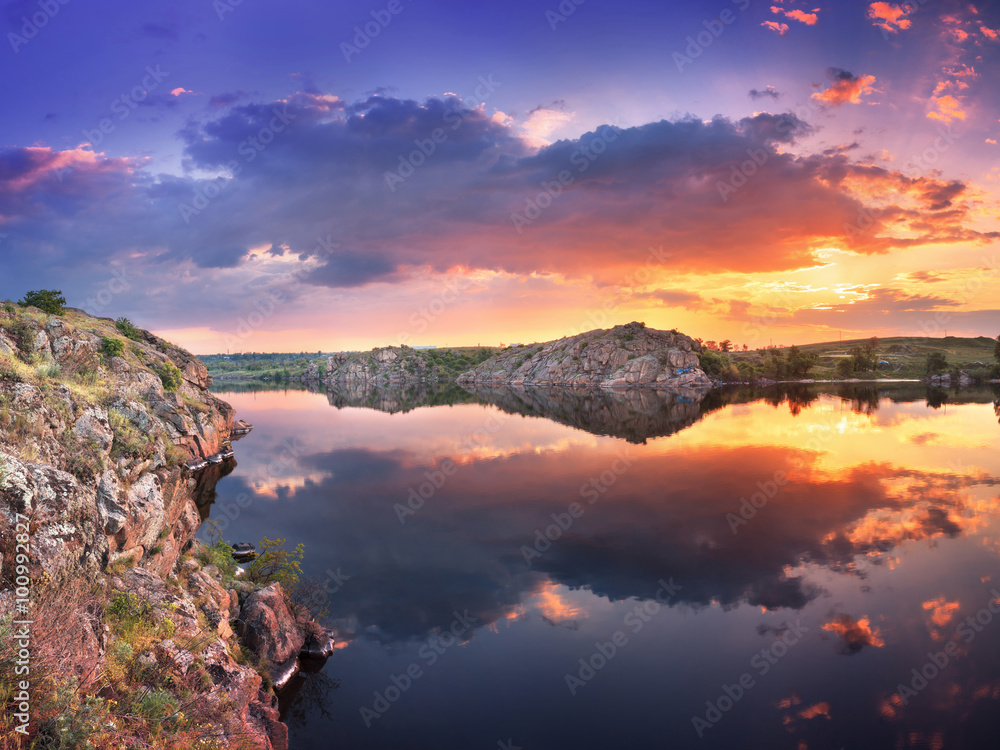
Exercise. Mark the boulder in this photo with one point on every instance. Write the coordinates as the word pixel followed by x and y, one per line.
pixel 268 629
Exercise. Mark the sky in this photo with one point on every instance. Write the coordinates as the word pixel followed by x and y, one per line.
pixel 239 175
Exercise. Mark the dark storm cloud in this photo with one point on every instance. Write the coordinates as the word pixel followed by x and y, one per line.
pixel 314 166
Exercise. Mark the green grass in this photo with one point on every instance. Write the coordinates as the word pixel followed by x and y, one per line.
pixel 906 356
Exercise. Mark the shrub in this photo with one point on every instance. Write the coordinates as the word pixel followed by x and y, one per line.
pixel 156 705
pixel 46 300
pixel 219 554
pixel 170 376
pixel 112 347
pixel 23 336
pixel 48 371
pixel 130 441
pixel 937 362
pixel 275 563
pixel 124 325
pixel 845 367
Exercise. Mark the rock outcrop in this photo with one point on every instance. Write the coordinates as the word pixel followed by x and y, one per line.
pixel 97 432
pixel 624 356
pixel 268 629
pixel 95 445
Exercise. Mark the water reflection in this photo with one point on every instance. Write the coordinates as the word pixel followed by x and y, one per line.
pixel 865 513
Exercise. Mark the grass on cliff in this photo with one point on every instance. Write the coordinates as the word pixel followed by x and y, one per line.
pixel 126 699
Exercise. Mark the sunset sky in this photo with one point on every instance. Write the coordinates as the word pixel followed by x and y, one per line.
pixel 241 175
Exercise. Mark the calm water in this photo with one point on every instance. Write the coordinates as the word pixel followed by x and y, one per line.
pixel 477 549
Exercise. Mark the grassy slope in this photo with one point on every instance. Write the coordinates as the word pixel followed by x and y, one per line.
pixel 906 355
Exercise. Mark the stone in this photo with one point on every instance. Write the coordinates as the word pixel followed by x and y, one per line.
pixel 626 356
pixel 93 425
pixel 268 628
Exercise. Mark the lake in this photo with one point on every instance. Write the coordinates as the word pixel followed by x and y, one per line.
pixel 802 567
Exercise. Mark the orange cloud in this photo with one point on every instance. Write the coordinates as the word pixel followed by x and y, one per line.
pixel 946 108
pixel 809 19
pixel 818 709
pixel 781 28
pixel 989 33
pixel 846 87
pixel 855 634
pixel 890 18
pixel 941 610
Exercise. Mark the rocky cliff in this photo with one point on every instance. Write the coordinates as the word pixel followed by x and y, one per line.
pixel 624 356
pixel 97 428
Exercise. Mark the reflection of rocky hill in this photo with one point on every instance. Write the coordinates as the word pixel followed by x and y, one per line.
pixel 634 414
pixel 399 397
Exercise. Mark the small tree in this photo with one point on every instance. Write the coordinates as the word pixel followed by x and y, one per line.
pixel 275 563
pixel 936 362
pixel 170 376
pixel 725 345
pixel 845 367
pixel 996 351
pixel 124 325
pixel 51 301
pixel 112 347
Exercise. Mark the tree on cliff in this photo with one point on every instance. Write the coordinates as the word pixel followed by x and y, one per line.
pixel 51 301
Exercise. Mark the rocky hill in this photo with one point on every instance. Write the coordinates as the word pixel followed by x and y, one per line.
pixel 394 364
pixel 624 356
pixel 98 426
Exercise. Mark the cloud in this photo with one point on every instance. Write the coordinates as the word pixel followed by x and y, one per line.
pixel 781 28
pixel 809 19
pixel 218 101
pixel 543 120
pixel 180 90
pixel 890 17
pixel 678 298
pixel 854 634
pixel 946 108
pixel 310 172
pixel 991 34
pixel 846 88
pixel 766 92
